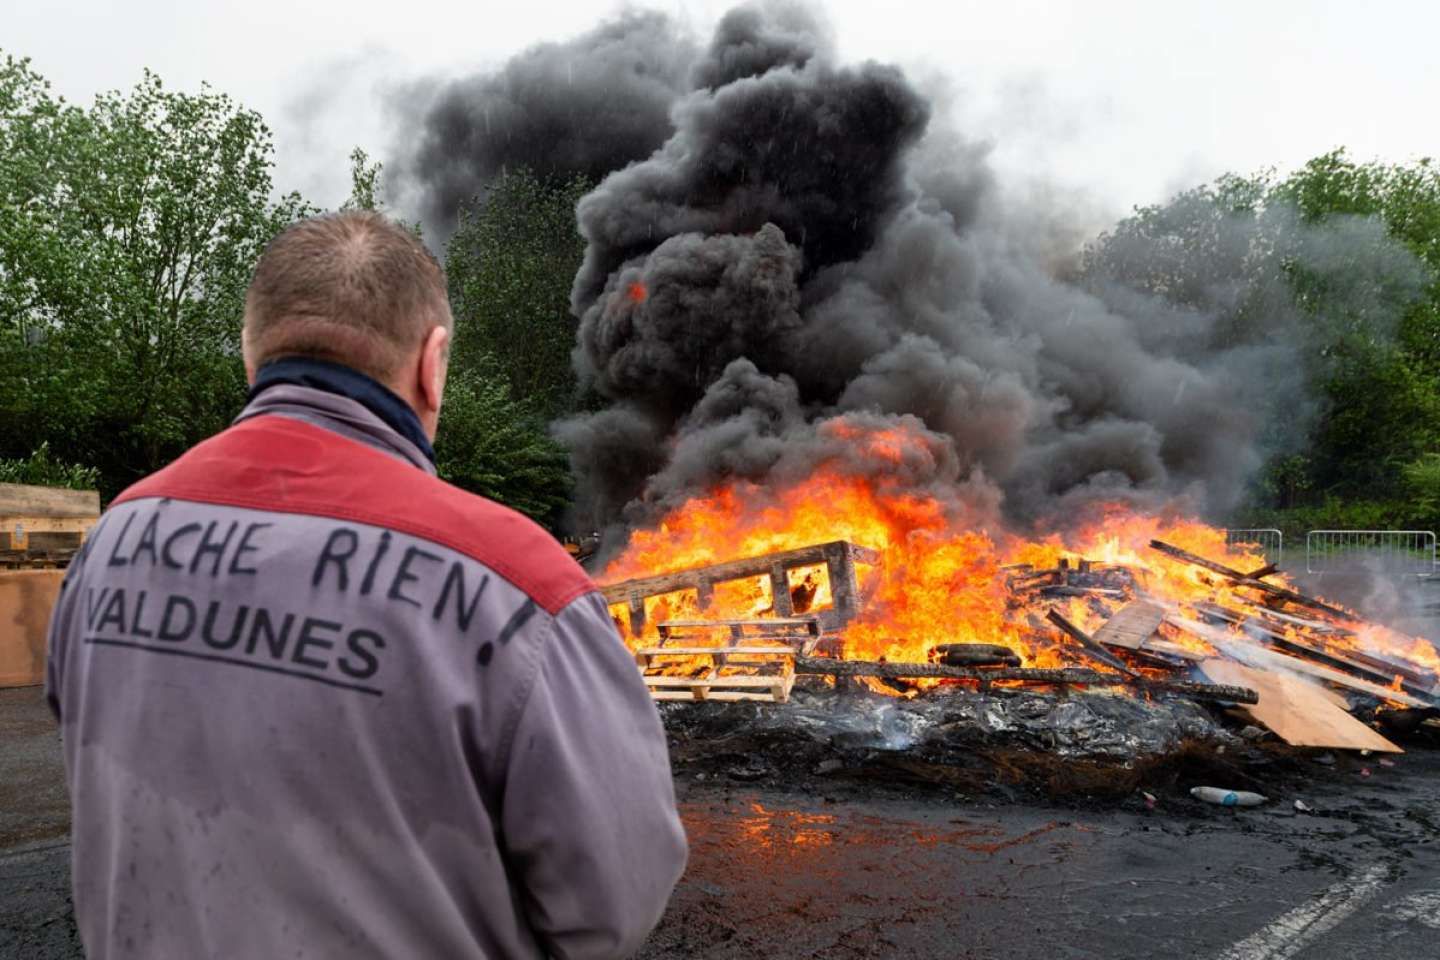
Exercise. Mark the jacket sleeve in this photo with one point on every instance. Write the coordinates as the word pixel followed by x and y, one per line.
pixel 588 815
pixel 57 638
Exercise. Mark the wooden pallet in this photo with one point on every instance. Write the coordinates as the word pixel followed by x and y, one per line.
pixel 44 526
pixel 769 673
pixel 802 633
pixel 839 558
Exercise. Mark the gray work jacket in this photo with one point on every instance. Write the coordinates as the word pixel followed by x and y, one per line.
pixel 316 702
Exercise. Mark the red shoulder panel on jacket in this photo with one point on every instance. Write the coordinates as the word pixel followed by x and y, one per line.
pixel 276 463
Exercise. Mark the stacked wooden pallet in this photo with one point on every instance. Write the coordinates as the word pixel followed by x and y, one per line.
pixel 755 661
pixel 43 526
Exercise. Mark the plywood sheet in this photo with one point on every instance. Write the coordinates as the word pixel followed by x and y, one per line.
pixel 1131 626
pixel 26 597
pixel 1297 710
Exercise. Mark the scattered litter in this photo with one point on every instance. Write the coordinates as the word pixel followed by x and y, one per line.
pixel 829 766
pixel 1253 732
pixel 1302 807
pixel 1228 798
pixel 1150 800
pixel 1364 771
pixel 1386 763
pixel 1325 759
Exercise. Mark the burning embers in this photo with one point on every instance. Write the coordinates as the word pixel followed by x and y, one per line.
pixel 735 593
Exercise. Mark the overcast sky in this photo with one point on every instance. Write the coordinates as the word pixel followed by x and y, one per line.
pixel 1111 102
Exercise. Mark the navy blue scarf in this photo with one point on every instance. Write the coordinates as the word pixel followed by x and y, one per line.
pixel 341 380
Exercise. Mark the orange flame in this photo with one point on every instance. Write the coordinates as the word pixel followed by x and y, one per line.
pixel 940 579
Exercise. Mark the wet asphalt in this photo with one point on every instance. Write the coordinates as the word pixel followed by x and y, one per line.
pixel 783 875
pixel 834 867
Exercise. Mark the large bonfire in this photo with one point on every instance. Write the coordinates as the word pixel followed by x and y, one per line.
pixel 940 579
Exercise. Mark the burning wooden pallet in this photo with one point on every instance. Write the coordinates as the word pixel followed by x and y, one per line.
pixel 1257 645
pixel 838 557
pixel 756 661
pixel 734 672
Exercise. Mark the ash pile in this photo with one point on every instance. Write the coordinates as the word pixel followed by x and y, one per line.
pixel 1247 664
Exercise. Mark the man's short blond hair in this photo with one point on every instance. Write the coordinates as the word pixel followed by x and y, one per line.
pixel 353 288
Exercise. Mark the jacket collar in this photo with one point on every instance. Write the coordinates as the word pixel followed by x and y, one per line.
pixel 342 400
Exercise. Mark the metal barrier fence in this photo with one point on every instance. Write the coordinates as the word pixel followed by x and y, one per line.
pixel 1405 552
pixel 1268 540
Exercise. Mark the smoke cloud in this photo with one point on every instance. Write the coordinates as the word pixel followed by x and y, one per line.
pixel 586 106
pixel 751 41
pixel 791 257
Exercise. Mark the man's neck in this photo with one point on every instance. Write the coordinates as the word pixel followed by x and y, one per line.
pixel 347 382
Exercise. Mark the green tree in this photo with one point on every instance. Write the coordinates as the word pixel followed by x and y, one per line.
pixel 510 263
pixel 1422 476
pixel 131 230
pixel 364 182
pixel 491 445
pixel 1382 393
pixel 1241 249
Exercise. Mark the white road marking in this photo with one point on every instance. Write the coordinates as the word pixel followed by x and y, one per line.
pixel 1294 931
pixel 1423 908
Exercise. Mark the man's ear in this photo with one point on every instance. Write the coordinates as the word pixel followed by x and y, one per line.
pixel 434 362
pixel 248 356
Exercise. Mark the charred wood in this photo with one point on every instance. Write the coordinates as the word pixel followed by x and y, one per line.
pixel 1240 579
pixel 1092 649
pixel 816 666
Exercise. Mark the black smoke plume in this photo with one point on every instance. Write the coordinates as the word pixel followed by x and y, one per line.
pixel 587 106
pixel 791 255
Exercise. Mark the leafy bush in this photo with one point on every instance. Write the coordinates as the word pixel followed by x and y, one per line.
pixel 1336 514
pixel 1422 478
pixel 490 444
pixel 43 470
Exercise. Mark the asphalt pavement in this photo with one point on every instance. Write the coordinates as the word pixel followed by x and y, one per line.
pixel 837 868
pixel 780 875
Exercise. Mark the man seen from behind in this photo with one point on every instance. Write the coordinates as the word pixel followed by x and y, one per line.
pixel 317 702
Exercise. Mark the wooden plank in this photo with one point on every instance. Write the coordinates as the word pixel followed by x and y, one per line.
pixel 687 682
pixel 723 696
pixel 1091 648
pixel 808 624
pixel 1240 579
pixel 1297 710
pixel 737 570
pixel 23 500
pixel 33 524
pixel 1350 661
pixel 703 651
pixel 1320 626
pixel 1154 643
pixel 780 598
pixel 1157 645
pixel 1255 655
pixel 1131 626
pixel 823 666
